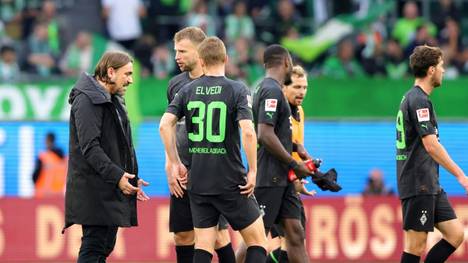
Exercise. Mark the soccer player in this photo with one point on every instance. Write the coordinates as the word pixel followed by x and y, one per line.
pixel 214 108
pixel 180 216
pixel 419 154
pixel 295 94
pixel 272 114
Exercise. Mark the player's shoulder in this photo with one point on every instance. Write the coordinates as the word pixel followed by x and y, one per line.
pixel 416 92
pixel 179 79
pixel 183 90
pixel 270 83
pixel 180 76
pixel 416 95
pixel 186 87
pixel 237 85
pixel 270 87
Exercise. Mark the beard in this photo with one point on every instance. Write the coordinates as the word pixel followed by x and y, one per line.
pixel 188 67
pixel 118 89
pixel 113 87
pixel 436 82
pixel 122 90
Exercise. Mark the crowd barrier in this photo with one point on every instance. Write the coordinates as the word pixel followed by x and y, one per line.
pixel 327 98
pixel 351 228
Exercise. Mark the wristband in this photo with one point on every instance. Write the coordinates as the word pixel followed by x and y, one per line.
pixel 292 176
pixel 293 164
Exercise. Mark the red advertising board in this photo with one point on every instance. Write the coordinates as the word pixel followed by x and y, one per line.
pixel 338 229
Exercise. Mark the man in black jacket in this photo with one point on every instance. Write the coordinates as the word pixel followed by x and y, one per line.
pixel 102 183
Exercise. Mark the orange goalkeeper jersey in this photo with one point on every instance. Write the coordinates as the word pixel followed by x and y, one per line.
pixel 298 131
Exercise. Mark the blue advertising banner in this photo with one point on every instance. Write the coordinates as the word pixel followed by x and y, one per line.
pixel 353 148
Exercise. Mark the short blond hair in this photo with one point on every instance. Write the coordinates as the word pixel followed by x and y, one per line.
pixel 299 71
pixel 212 51
pixel 192 33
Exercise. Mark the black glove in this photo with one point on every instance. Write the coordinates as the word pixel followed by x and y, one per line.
pixel 326 181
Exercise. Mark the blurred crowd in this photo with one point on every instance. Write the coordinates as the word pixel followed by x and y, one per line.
pixel 56 38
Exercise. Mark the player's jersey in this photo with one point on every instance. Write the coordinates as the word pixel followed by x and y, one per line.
pixel 297 121
pixel 271 107
pixel 417 172
pixel 212 107
pixel 175 84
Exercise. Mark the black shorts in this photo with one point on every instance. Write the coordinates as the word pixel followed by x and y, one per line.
pixel 180 215
pixel 422 212
pixel 222 223
pixel 278 203
pixel 239 210
pixel 277 229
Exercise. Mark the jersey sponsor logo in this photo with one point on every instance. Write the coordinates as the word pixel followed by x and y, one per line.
pixel 269 114
pixel 423 218
pixel 423 125
pixel 207 150
pixel 270 104
pixel 262 209
pixel 423 114
pixel 401 157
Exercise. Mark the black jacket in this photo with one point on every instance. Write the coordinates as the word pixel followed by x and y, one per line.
pixel 101 150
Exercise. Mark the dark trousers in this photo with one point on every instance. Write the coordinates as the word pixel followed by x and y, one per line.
pixel 97 243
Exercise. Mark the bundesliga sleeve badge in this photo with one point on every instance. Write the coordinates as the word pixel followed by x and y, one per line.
pixel 249 101
pixel 270 104
pixel 423 114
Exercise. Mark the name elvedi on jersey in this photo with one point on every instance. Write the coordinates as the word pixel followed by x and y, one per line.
pixel 208 90
pixel 213 90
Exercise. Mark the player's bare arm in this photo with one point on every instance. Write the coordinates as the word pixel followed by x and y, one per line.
pixel 267 137
pixel 175 169
pixel 300 149
pixel 437 151
pixel 249 143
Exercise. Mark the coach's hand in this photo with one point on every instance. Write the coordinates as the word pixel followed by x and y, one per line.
pixel 141 195
pixel 249 187
pixel 172 173
pixel 125 186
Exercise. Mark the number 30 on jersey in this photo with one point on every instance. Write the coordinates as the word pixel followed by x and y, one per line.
pixel 203 110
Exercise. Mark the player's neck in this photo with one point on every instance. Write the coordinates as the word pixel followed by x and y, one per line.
pixel 215 71
pixel 275 74
pixel 425 84
pixel 196 72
